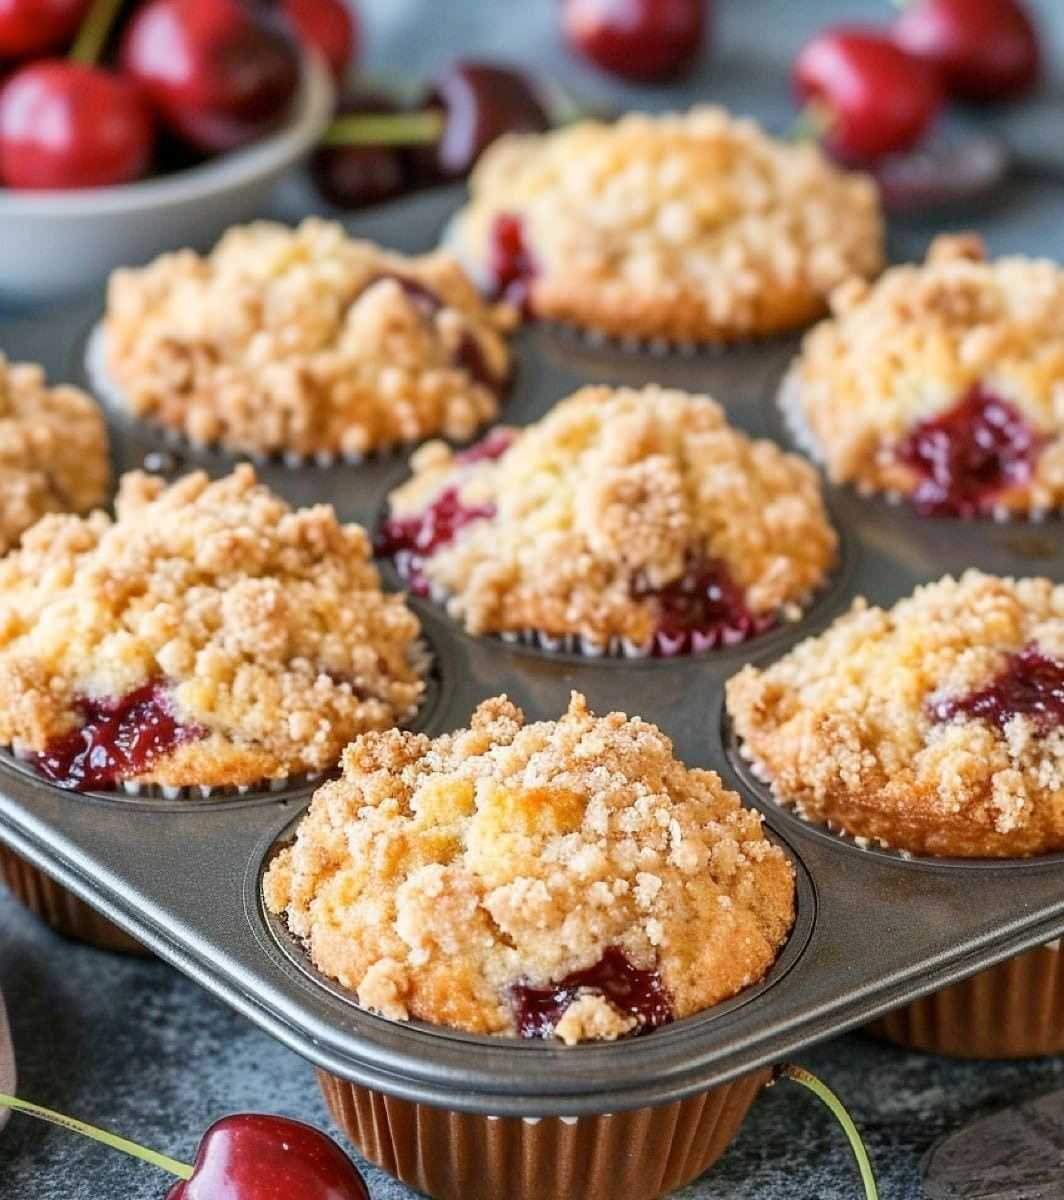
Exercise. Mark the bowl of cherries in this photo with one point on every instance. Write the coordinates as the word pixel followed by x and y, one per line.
pixel 128 127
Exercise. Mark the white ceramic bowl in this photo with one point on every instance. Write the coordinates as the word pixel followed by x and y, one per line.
pixel 54 245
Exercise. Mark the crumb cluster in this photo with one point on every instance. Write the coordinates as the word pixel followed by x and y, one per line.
pixel 689 227
pixel 267 624
pixel 607 500
pixel 436 874
pixel 53 450
pixel 910 346
pixel 856 727
pixel 305 342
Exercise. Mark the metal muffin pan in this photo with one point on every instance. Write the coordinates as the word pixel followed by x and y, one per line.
pixel 874 929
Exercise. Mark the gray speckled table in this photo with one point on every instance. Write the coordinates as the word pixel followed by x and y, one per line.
pixel 133 1046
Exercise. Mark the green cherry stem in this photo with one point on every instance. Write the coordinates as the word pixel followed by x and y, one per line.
pixel 94 31
pixel 180 1169
pixel 385 129
pixel 828 1097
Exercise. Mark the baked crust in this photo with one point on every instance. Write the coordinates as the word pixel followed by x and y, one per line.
pixel 267 625
pixel 913 344
pixel 606 499
pixel 53 450
pixel 435 875
pixel 846 730
pixel 689 227
pixel 304 342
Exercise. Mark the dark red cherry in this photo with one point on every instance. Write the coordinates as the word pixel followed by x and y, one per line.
pixel 871 96
pixel 68 125
pixel 1031 686
pixel 644 40
pixel 985 50
pixel 118 739
pixel 330 26
pixel 37 26
pixel 408 541
pixel 511 267
pixel 255 1157
pixel 356 176
pixel 635 992
pixel 220 73
pixel 969 454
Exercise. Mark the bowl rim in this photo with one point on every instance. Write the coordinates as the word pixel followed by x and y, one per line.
pixel 312 110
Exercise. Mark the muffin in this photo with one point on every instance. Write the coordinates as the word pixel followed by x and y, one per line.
pixel 941 383
pixel 693 227
pixel 53 450
pixel 566 880
pixel 935 727
pixel 303 343
pixel 634 521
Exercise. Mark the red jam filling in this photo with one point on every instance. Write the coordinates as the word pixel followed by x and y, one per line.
pixel 408 541
pixel 702 610
pixel 511 267
pixel 638 993
pixel 1032 686
pixel 968 455
pixel 119 739
pixel 490 448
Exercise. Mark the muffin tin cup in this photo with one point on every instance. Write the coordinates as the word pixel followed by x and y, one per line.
pixel 447 1155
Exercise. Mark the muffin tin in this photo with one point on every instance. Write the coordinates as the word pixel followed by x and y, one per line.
pixel 874 929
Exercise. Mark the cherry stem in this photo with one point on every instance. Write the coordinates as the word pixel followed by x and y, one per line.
pixel 823 1093
pixel 180 1169
pixel 94 31
pixel 385 129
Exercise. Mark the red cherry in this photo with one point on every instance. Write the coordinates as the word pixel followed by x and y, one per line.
pixel 879 100
pixel 329 26
pixel 220 74
pixel 353 176
pixel 35 26
pixel 255 1157
pixel 985 49
pixel 644 40
pixel 66 125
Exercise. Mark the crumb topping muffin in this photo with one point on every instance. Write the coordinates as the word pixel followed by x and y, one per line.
pixel 943 382
pixel 688 227
pixel 936 726
pixel 53 450
pixel 637 515
pixel 304 342
pixel 566 878
pixel 208 636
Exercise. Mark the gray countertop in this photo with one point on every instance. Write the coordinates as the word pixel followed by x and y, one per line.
pixel 133 1046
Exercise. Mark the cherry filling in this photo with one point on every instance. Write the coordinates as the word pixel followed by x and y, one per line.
pixel 120 738
pixel 490 448
pixel 638 993
pixel 409 541
pixel 1032 686
pixel 701 610
pixel 968 455
pixel 511 267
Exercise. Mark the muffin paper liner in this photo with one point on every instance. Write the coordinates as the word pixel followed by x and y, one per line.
pixel 635 1155
pixel 1012 1010
pixel 60 909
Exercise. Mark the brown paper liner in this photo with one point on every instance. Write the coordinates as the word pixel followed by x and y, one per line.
pixel 60 909
pixel 1013 1010
pixel 636 1155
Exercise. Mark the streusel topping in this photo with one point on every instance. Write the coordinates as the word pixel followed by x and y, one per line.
pixel 611 517
pixel 53 450
pixel 936 726
pixel 694 226
pixel 261 630
pixel 472 879
pixel 306 342
pixel 920 355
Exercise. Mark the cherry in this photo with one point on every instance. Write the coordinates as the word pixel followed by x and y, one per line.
pixel 644 40
pixel 220 73
pixel 1032 686
pixel 330 27
pixel 254 1157
pixel 69 125
pixel 873 97
pixel 984 49
pixel 511 267
pixel 408 541
pixel 354 176
pixel 35 26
